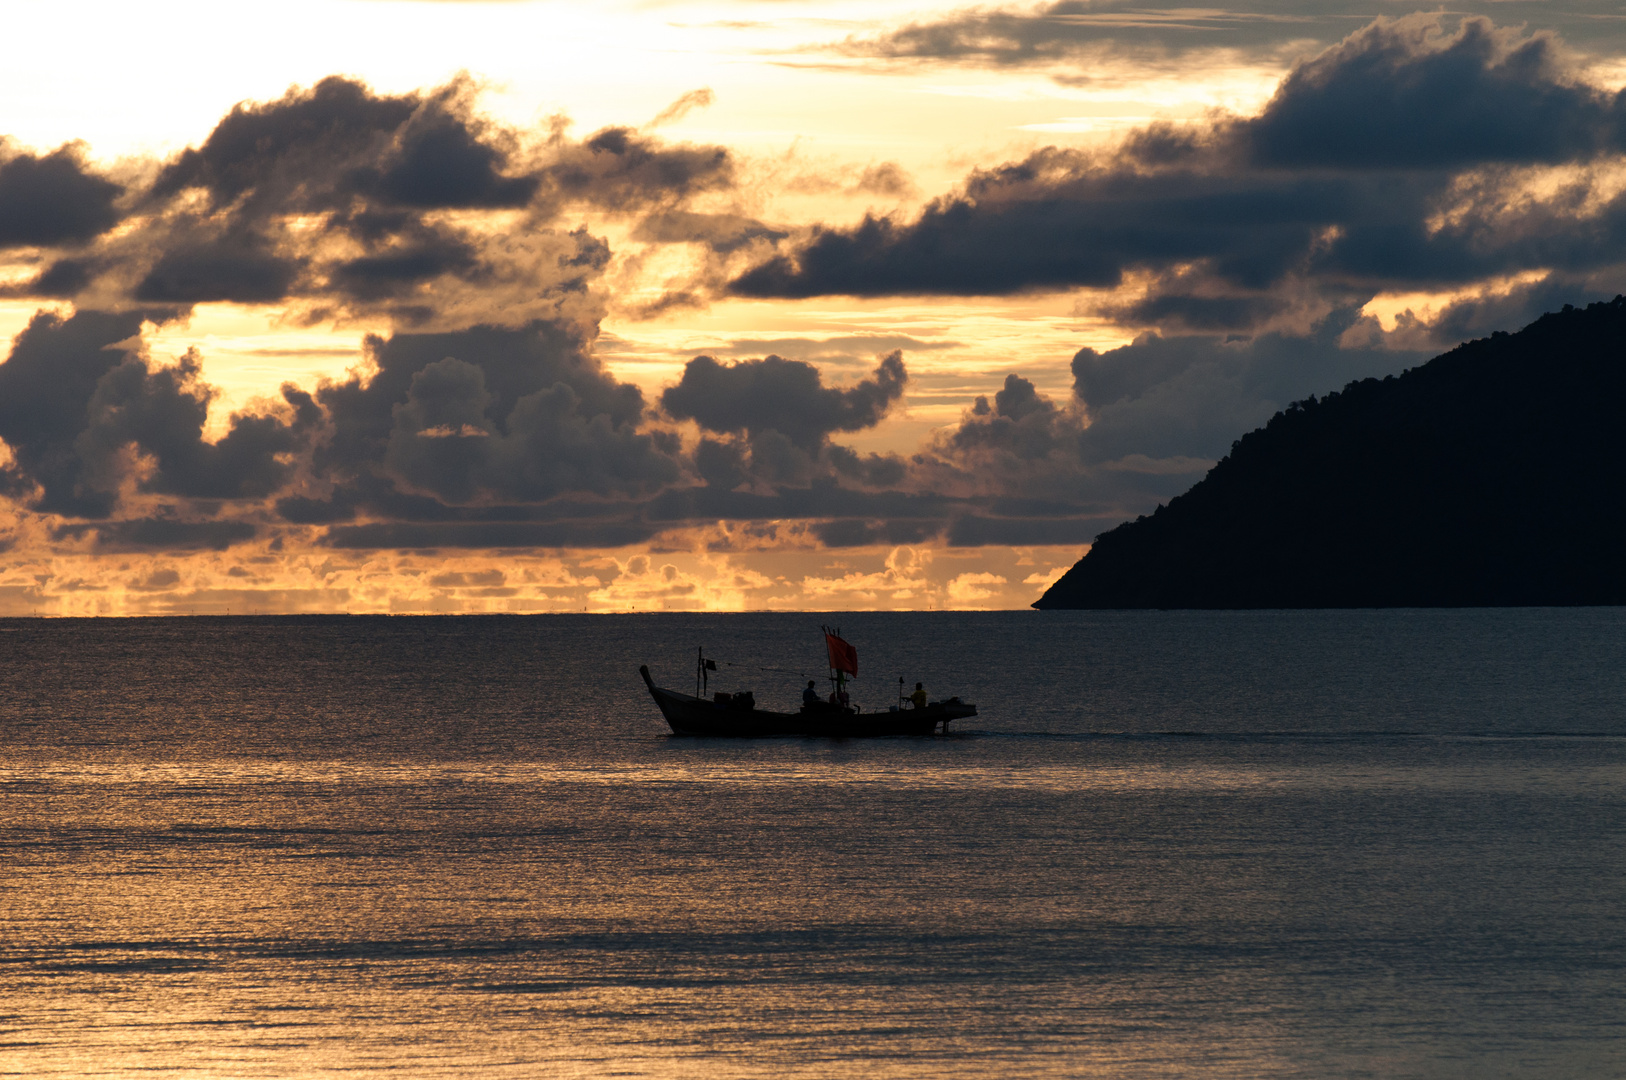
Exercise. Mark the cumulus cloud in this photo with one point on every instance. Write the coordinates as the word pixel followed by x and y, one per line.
pixel 86 415
pixel 776 417
pixel 476 436
pixel 785 396
pixel 46 385
pixel 1404 95
pixel 341 201
pixel 162 413
pixel 445 441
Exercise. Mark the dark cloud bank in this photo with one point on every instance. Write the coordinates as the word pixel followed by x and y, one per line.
pixel 1392 160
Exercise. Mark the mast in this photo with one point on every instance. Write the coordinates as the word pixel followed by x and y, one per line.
pixel 702 682
pixel 842 658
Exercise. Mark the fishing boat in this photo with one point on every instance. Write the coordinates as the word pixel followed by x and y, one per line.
pixel 736 715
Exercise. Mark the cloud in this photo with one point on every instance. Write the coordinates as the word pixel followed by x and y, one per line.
pixel 621 169
pixel 1405 95
pixel 53 200
pixel 968 588
pixel 78 397
pixel 1061 34
pixel 1148 419
pixel 46 385
pixel 588 534
pixel 162 412
pixel 1243 250
pixel 59 281
pixel 338 201
pixel 301 151
pixel 776 417
pixel 445 441
pixel 237 269
pixel 161 534
pixel 1404 157
pixel 158 580
pixel 488 415
pixel 332 195
pixel 859 532
pixel 784 396
pixel 1481 313
pixel 887 179
pixel 414 257
pixel 468 434
pixel 441 161
pixel 501 437
pixel 839 350
pixel 694 99
pixel 723 233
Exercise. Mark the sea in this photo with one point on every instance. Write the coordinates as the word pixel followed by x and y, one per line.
pixel 1171 844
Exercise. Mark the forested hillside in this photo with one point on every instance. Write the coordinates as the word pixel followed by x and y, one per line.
pixel 1492 475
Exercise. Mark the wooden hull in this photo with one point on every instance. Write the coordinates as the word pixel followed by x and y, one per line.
pixel 689 715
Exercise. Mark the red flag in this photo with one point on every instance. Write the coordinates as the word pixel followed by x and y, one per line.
pixel 843 657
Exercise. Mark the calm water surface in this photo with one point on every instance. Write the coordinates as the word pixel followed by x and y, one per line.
pixel 1384 844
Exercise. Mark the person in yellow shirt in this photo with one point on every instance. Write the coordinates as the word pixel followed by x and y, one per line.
pixel 919 696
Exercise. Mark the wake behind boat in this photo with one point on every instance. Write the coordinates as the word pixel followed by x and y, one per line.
pixel 737 716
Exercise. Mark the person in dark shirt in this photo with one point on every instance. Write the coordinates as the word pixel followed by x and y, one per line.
pixel 810 696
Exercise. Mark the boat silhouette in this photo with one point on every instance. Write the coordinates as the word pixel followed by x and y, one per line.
pixel 737 715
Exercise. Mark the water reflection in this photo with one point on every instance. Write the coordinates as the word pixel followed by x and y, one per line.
pixel 304 872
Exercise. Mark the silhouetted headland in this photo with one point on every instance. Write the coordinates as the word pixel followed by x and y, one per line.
pixel 1494 475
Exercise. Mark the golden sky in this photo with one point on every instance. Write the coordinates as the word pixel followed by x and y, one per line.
pixel 369 305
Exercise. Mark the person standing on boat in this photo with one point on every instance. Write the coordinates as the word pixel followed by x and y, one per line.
pixel 810 696
pixel 919 696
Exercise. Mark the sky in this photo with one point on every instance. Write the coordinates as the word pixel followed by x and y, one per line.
pixel 455 306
